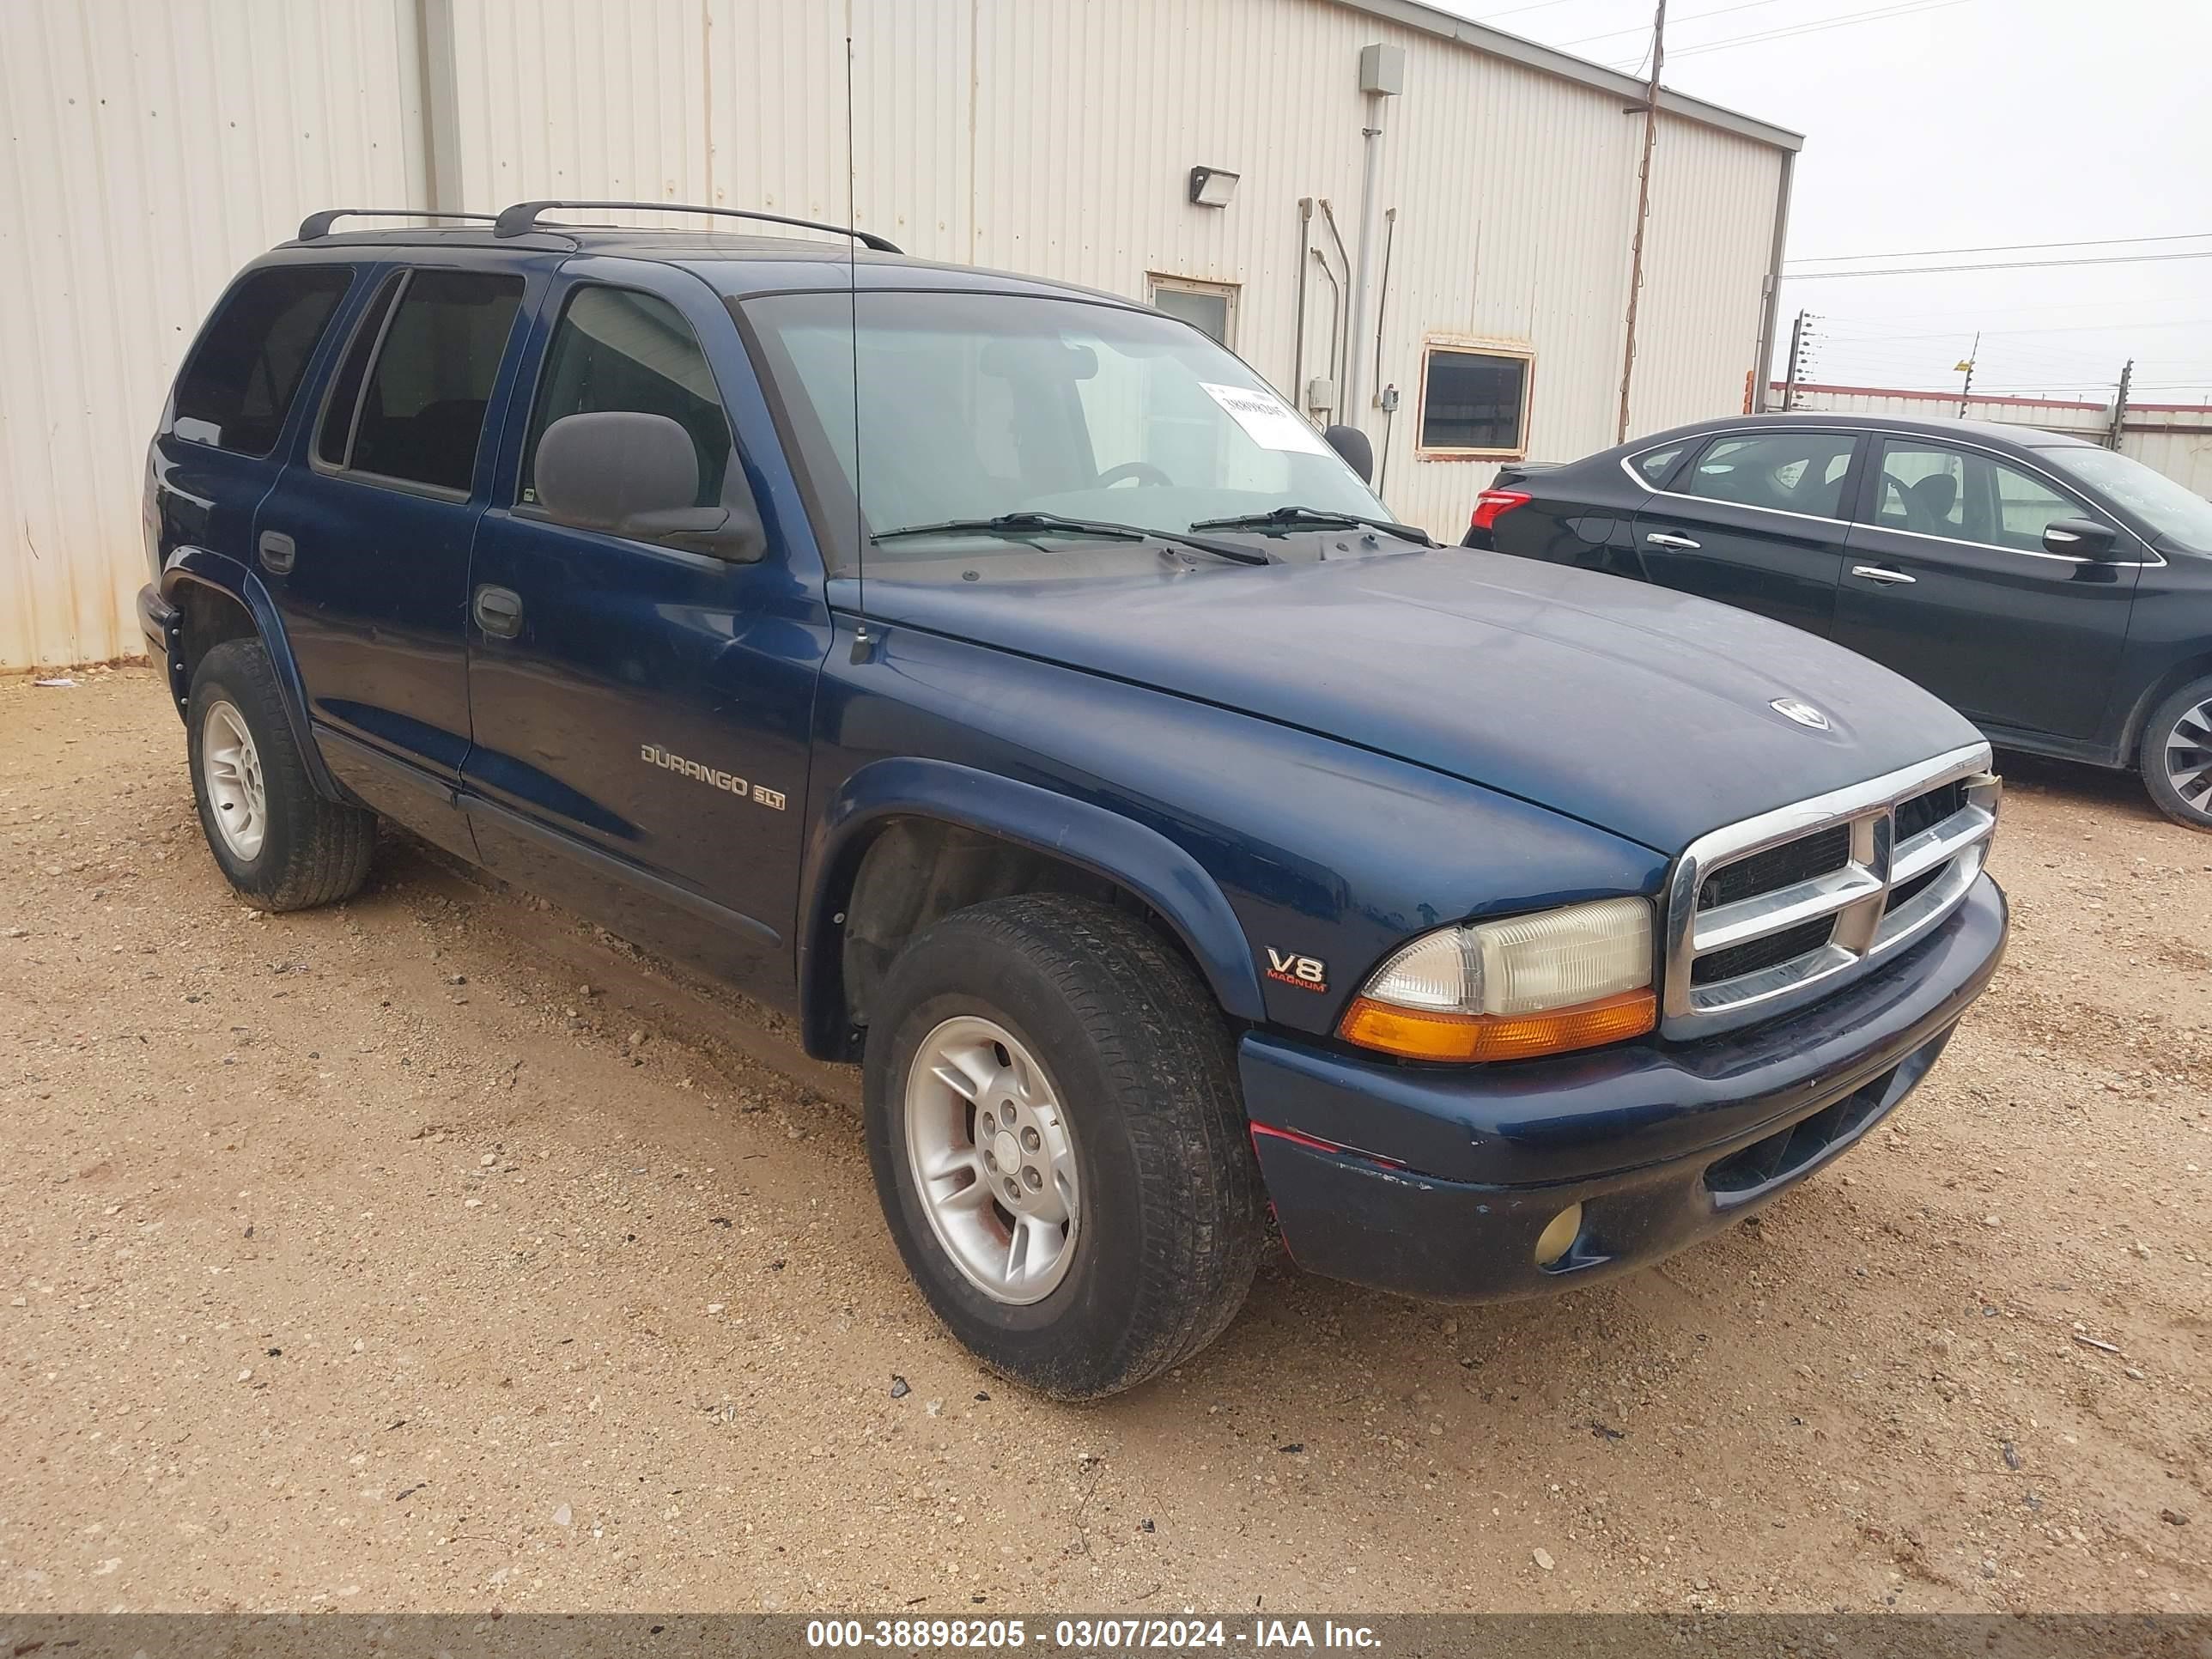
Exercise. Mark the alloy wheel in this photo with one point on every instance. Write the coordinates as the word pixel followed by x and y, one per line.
pixel 990 1158
pixel 2189 756
pixel 230 767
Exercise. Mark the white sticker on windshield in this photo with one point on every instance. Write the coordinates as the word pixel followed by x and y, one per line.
pixel 1265 421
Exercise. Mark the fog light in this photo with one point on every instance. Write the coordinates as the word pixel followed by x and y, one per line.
pixel 1559 1236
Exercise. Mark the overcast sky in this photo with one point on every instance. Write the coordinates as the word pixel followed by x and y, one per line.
pixel 1934 124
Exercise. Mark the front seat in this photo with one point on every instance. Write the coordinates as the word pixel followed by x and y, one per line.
pixel 1930 502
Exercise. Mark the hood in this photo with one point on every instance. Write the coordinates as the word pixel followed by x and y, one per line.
pixel 1646 712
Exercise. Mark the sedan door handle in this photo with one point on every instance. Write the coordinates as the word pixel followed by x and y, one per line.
pixel 499 611
pixel 1875 573
pixel 276 551
pixel 1661 538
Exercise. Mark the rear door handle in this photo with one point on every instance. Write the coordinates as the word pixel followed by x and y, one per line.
pixel 1875 573
pixel 277 552
pixel 1661 538
pixel 499 611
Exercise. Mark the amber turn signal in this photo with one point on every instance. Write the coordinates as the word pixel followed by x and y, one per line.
pixel 1412 1034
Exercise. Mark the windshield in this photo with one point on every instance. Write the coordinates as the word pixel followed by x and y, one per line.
pixel 972 406
pixel 2176 515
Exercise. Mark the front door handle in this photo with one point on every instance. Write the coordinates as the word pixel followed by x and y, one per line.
pixel 277 552
pixel 1875 573
pixel 1661 538
pixel 499 611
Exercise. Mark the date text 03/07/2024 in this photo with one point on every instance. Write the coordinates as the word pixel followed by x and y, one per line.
pixel 1085 1635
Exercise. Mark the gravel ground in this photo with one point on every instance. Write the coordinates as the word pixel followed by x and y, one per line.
pixel 439 1251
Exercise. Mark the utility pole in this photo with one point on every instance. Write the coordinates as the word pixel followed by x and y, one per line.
pixel 1789 381
pixel 1642 211
pixel 2120 406
pixel 1967 369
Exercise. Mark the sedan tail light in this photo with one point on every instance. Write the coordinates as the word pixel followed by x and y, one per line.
pixel 1494 504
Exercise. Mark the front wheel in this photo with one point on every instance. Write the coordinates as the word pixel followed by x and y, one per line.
pixel 2177 756
pixel 1057 1139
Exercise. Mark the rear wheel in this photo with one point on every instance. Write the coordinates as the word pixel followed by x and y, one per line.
pixel 1058 1142
pixel 277 841
pixel 2177 756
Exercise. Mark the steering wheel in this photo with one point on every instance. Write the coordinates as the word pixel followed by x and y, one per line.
pixel 1143 472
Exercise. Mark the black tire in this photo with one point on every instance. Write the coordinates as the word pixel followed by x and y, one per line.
pixel 1172 1206
pixel 312 851
pixel 2186 715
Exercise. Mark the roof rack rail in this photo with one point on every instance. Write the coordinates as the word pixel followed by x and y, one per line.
pixel 522 218
pixel 316 225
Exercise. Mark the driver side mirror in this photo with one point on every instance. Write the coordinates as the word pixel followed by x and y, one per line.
pixel 2081 539
pixel 1351 442
pixel 636 475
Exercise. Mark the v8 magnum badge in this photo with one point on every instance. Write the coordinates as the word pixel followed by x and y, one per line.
pixel 1307 973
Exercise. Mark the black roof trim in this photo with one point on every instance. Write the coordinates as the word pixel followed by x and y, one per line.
pixel 317 226
pixel 521 219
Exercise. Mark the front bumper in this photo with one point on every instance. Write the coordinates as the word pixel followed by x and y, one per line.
pixel 1435 1184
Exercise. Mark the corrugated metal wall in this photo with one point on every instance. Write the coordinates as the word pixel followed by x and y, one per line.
pixel 156 146
pixel 2174 438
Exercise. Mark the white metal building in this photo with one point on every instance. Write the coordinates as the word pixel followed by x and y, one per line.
pixel 155 145
pixel 2175 439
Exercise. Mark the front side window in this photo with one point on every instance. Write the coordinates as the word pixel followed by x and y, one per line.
pixel 1934 489
pixel 1473 403
pixel 422 409
pixel 246 368
pixel 975 405
pixel 616 349
pixel 1781 471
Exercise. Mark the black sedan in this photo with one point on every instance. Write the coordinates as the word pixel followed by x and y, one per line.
pixel 2058 593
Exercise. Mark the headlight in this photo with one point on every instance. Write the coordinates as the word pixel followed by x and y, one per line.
pixel 1539 984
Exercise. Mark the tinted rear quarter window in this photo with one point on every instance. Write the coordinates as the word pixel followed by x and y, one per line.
pixel 246 370
pixel 422 408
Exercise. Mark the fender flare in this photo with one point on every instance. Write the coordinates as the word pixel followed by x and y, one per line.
pixel 1118 848
pixel 200 567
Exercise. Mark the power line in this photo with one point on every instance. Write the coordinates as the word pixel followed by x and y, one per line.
pixel 1687 17
pixel 1845 21
pixel 1998 247
pixel 2014 264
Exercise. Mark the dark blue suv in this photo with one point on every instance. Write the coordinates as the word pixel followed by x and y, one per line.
pixel 1001 678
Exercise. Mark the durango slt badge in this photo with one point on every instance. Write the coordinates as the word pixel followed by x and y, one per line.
pixel 1804 713
pixel 654 755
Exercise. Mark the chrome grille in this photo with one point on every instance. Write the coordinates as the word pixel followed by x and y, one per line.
pixel 1767 915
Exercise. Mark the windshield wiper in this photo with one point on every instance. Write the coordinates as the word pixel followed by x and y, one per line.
pixel 1308 518
pixel 1016 524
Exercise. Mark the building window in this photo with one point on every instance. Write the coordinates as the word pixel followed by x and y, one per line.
pixel 1474 402
pixel 1209 307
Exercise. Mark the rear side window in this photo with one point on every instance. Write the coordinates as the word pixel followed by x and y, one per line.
pixel 616 349
pixel 246 368
pixel 1787 471
pixel 423 405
